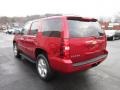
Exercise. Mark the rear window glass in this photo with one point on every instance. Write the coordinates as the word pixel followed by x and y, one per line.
pixel 79 28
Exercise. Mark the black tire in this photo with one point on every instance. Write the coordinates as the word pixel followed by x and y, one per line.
pixel 16 51
pixel 112 38
pixel 118 37
pixel 49 72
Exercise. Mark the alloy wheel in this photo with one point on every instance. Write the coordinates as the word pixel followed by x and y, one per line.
pixel 42 67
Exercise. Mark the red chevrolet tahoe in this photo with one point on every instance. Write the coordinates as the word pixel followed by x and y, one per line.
pixel 61 43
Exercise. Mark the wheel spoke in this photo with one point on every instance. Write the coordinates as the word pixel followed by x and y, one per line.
pixel 45 71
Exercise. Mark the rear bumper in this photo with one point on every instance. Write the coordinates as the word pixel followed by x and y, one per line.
pixel 66 66
pixel 90 60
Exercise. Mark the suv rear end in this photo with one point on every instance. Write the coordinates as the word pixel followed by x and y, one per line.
pixel 83 45
pixel 63 43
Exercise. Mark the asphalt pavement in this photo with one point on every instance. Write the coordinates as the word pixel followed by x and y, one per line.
pixel 16 74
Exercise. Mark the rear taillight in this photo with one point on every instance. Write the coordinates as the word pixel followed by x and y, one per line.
pixel 65 49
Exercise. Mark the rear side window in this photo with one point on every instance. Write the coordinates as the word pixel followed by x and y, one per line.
pixel 52 27
pixel 79 28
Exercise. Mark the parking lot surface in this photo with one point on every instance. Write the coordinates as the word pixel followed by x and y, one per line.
pixel 16 74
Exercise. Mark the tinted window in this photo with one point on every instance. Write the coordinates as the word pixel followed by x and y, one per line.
pixel 84 28
pixel 34 28
pixel 52 27
pixel 26 28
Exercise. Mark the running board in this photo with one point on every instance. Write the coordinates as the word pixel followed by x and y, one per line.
pixel 26 57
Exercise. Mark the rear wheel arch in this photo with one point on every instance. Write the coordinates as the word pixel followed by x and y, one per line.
pixel 40 51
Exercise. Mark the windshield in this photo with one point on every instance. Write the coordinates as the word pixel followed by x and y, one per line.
pixel 79 28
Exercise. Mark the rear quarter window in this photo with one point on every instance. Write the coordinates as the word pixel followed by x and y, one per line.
pixel 52 27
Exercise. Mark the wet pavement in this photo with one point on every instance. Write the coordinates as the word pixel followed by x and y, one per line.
pixel 16 74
